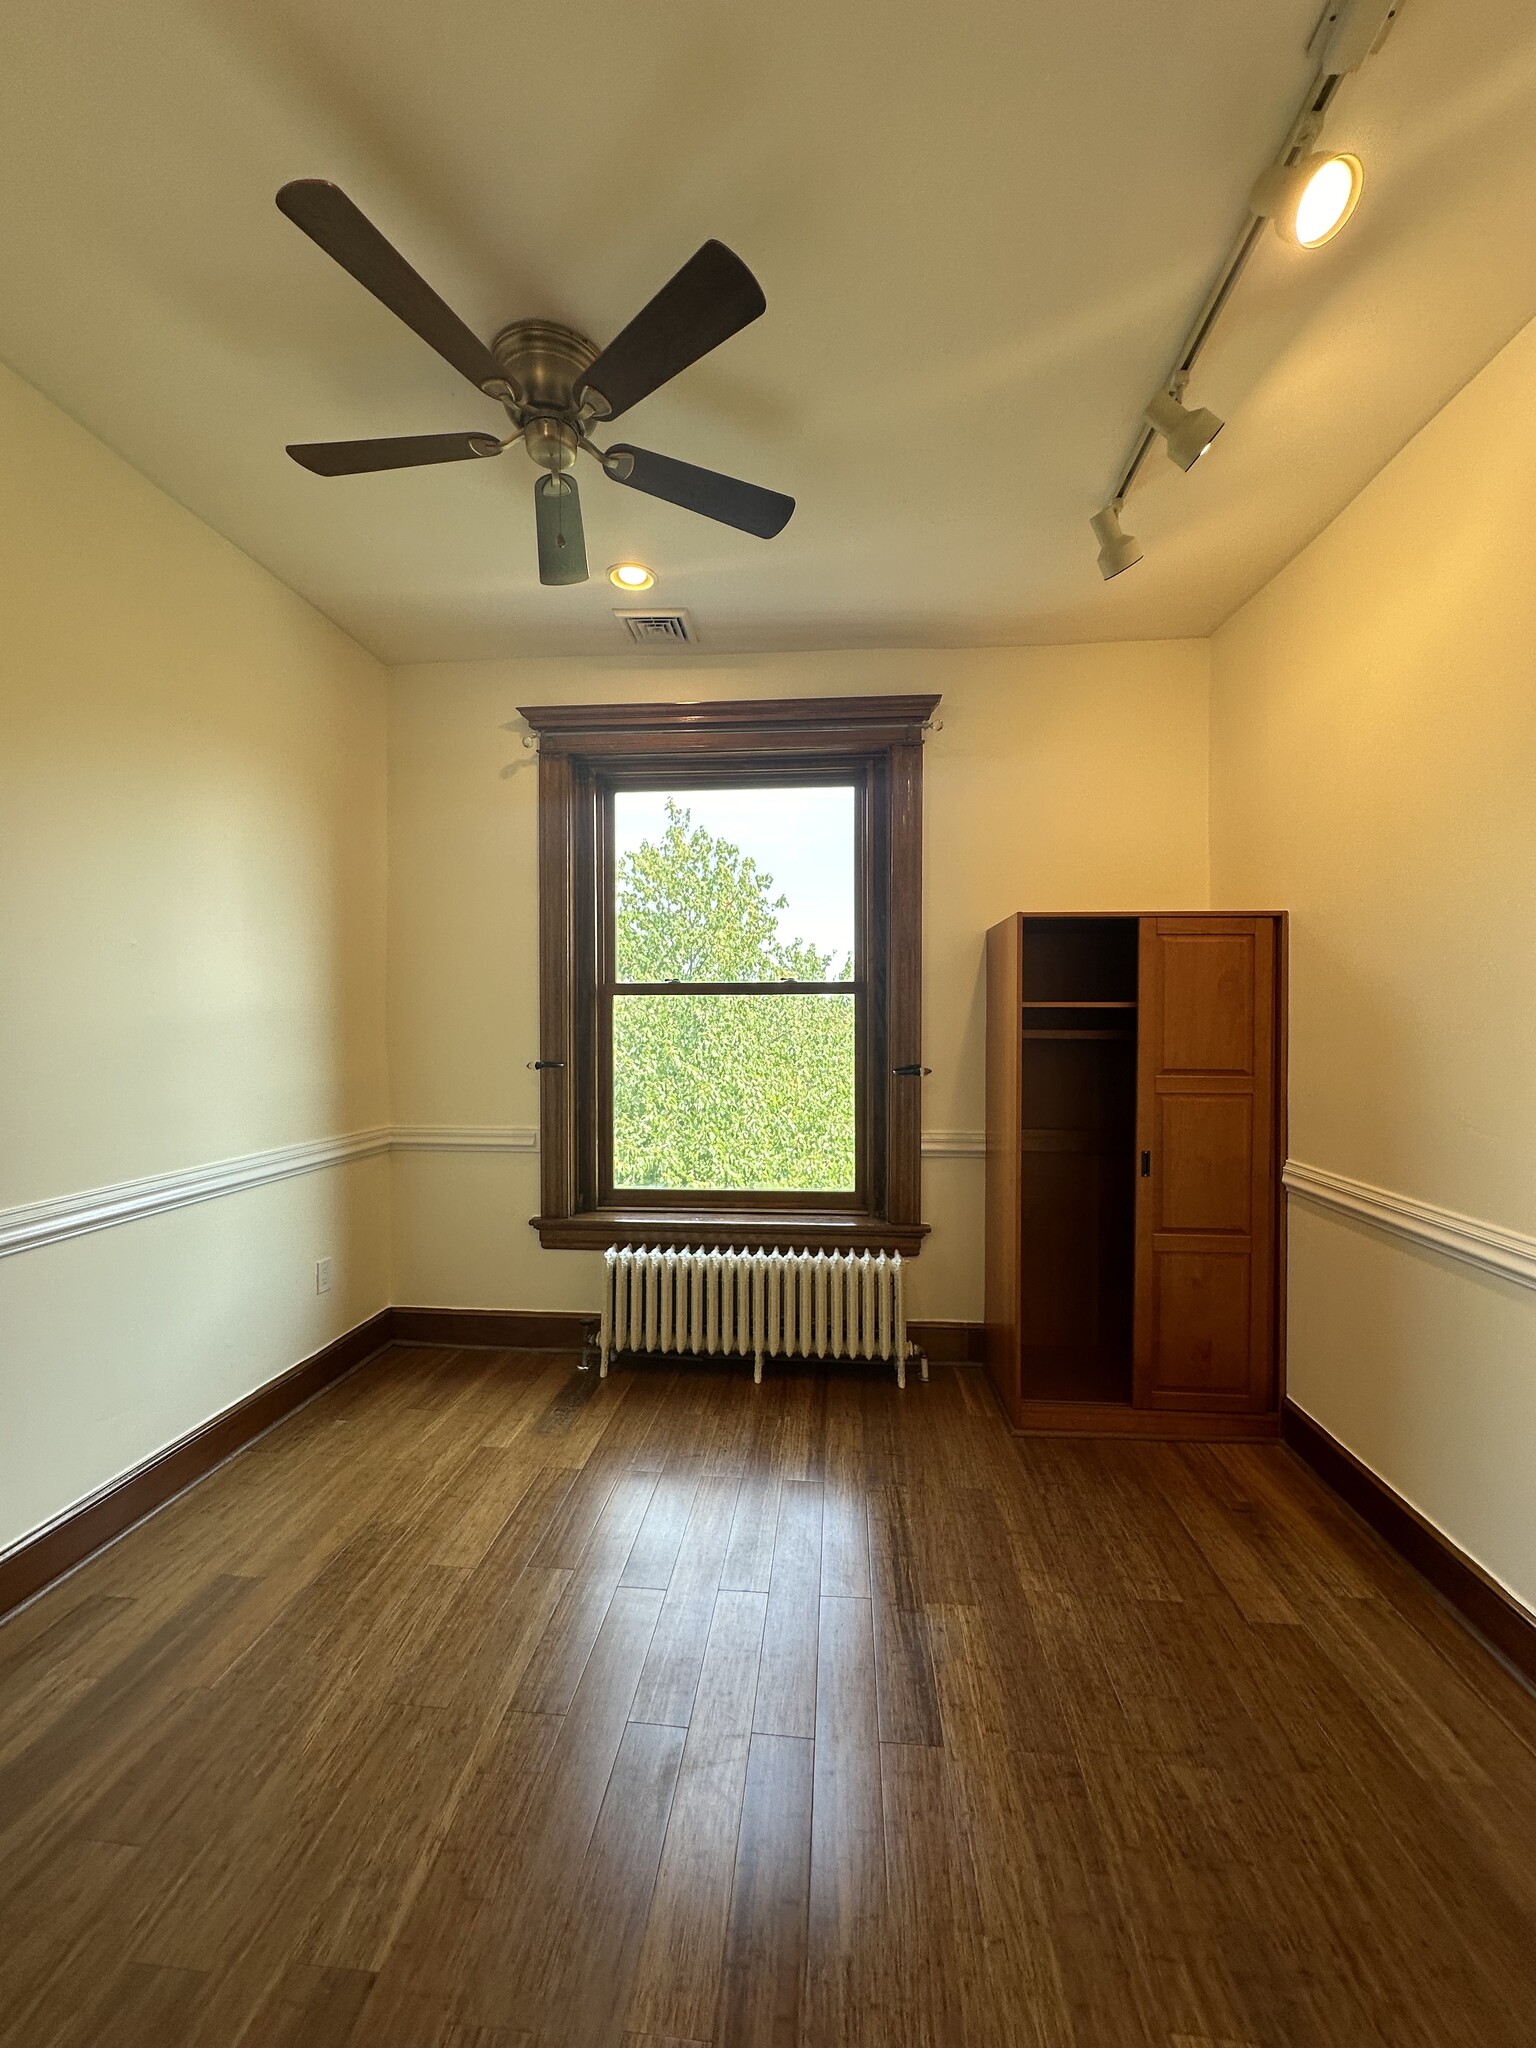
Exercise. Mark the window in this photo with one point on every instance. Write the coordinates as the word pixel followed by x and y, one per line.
pixel 729 961
pixel 734 1009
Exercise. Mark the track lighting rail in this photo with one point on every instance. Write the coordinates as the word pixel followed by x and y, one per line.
pixel 1304 132
pixel 1347 32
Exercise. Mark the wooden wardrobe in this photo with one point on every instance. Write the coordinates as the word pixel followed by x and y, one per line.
pixel 1135 1137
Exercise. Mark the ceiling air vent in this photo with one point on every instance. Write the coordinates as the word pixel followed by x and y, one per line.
pixel 658 629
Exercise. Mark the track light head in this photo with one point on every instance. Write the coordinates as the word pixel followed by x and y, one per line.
pixel 1188 434
pixel 1310 201
pixel 1117 550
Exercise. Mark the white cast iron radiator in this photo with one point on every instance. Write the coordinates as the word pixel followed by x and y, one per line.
pixel 758 1305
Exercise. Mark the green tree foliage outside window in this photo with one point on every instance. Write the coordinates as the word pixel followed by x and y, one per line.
pixel 733 1091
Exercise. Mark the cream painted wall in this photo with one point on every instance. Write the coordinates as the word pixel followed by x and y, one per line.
pixel 1064 778
pixel 192 926
pixel 1373 767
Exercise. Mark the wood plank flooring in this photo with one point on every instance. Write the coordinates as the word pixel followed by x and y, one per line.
pixel 487 1704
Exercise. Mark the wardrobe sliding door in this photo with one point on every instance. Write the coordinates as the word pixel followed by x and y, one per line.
pixel 1205 1224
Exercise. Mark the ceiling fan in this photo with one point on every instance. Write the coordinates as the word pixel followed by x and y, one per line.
pixel 554 384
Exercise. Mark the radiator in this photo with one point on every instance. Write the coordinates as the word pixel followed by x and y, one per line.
pixel 757 1305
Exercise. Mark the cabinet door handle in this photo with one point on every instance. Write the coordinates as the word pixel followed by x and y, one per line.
pixel 1146 1165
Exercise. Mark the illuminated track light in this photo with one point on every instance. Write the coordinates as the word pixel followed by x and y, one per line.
pixel 1310 201
pixel 1117 551
pixel 1188 434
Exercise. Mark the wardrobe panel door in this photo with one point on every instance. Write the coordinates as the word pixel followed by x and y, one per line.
pixel 1206 1145
pixel 1205 1195
pixel 1206 1000
pixel 1205 1322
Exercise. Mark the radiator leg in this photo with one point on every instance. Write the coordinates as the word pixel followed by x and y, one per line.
pixel 757 1369
pixel 901 1369
pixel 602 1368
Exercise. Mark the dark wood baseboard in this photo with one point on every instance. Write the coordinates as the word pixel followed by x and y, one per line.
pixel 40 1559
pixel 504 1329
pixel 1480 1600
pixel 951 1343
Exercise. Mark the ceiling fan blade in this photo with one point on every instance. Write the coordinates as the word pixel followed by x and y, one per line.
pixel 711 298
pixel 562 544
pixel 726 498
pixel 352 458
pixel 328 217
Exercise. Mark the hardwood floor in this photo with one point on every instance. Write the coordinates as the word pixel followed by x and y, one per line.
pixel 487 1704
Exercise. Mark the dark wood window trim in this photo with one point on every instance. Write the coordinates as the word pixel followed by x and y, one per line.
pixel 588 750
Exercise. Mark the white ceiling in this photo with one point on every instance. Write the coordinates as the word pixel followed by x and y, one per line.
pixel 981 229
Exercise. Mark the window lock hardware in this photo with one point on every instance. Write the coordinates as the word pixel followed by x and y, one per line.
pixel 538 1066
pixel 1146 1165
pixel 915 1069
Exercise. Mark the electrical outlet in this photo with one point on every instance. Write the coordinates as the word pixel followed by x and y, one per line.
pixel 325 1272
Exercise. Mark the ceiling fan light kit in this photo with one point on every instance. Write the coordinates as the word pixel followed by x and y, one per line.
pixel 553 383
pixel 1308 195
pixel 557 523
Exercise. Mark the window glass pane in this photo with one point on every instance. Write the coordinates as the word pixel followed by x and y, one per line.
pixel 734 885
pixel 733 1092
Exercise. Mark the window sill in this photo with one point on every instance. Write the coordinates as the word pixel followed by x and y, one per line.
pixel 790 1230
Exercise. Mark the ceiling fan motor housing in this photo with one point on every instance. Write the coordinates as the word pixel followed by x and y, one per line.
pixel 544 360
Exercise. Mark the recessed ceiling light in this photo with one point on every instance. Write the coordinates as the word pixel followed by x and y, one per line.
pixel 631 576
pixel 1310 201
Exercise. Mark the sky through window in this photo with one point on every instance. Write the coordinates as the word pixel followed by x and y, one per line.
pixel 803 838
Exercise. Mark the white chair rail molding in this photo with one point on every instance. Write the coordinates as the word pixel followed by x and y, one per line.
pixel 1509 1254
pixel 27 1226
